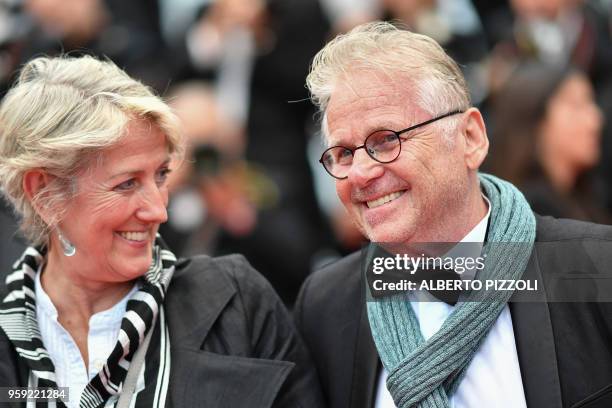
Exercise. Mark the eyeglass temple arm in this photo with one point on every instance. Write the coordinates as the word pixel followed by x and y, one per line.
pixel 427 122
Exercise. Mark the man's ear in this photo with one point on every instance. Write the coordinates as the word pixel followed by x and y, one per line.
pixel 34 182
pixel 476 140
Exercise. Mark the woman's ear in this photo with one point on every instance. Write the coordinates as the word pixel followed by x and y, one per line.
pixel 34 182
pixel 476 140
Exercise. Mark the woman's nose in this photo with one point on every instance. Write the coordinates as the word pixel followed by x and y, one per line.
pixel 153 205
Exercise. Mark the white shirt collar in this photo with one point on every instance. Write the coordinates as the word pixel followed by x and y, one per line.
pixel 478 233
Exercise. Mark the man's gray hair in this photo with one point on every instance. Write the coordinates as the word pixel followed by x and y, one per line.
pixel 58 116
pixel 415 59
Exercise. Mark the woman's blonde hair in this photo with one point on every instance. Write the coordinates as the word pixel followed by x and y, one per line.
pixel 58 116
pixel 412 58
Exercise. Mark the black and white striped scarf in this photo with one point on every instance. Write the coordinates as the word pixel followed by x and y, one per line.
pixel 145 306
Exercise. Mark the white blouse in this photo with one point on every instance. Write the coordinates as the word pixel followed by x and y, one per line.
pixel 70 369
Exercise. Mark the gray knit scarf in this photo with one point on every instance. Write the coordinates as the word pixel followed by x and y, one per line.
pixel 427 373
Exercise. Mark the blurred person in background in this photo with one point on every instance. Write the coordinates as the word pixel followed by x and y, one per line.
pixel 126 32
pixel 546 140
pixel 222 46
pixel 556 32
pixel 11 244
pixel 261 54
pixel 13 27
pixel 214 189
pixel 455 24
pixel 566 32
pixel 98 303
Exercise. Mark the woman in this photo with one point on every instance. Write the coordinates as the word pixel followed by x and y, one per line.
pixel 84 155
pixel 546 139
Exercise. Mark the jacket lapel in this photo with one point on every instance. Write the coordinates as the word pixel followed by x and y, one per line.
pixel 365 366
pixel 189 322
pixel 366 363
pixel 535 344
pixel 192 316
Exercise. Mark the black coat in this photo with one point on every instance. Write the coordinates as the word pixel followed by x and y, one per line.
pixel 564 349
pixel 233 344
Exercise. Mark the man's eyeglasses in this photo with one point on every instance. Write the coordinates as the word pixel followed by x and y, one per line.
pixel 384 146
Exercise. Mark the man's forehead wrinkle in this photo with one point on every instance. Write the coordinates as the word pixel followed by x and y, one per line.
pixel 382 117
pixel 368 96
pixel 373 81
pixel 363 116
pixel 364 102
pixel 413 113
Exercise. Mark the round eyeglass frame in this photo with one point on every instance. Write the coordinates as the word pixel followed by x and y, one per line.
pixel 397 135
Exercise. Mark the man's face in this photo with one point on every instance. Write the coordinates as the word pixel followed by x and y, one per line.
pixel 414 198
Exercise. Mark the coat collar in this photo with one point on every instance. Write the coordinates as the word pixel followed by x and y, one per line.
pixel 366 365
pixel 535 344
pixel 191 320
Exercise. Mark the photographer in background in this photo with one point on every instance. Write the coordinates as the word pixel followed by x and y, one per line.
pixel 213 190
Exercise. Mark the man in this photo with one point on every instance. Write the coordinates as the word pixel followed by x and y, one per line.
pixel 419 183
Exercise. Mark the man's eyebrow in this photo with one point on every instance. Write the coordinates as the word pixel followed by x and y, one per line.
pixel 383 126
pixel 386 125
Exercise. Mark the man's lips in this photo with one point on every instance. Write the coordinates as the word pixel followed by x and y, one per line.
pixel 384 199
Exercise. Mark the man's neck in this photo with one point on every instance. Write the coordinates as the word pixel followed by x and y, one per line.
pixel 472 211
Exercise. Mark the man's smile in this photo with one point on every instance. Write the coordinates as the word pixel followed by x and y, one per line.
pixel 384 199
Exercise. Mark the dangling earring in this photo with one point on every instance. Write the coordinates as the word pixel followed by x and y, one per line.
pixel 69 248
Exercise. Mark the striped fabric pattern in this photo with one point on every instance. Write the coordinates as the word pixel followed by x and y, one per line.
pixel 18 321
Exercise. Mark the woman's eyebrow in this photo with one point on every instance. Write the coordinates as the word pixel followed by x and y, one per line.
pixel 128 171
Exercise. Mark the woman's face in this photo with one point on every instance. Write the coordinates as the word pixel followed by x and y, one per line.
pixel 572 126
pixel 120 203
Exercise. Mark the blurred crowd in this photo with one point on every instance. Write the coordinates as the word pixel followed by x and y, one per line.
pixel 234 71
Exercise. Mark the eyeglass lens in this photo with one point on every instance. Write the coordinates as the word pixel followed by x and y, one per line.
pixel 383 146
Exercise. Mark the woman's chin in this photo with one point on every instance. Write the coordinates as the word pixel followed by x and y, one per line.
pixel 133 269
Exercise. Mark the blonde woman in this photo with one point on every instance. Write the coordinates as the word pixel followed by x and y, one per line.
pixel 98 304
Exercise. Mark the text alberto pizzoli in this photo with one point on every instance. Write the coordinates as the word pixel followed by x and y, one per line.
pixel 457 264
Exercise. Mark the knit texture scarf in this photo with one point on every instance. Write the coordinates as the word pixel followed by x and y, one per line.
pixel 144 308
pixel 427 373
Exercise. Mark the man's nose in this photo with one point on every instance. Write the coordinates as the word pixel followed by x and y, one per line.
pixel 154 200
pixel 364 169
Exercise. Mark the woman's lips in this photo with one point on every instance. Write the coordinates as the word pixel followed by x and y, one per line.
pixel 136 236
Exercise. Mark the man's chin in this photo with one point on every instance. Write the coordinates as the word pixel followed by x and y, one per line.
pixel 387 233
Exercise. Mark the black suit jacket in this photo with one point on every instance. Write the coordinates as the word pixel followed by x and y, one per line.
pixel 564 349
pixel 233 345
